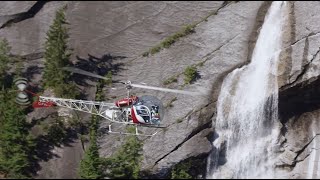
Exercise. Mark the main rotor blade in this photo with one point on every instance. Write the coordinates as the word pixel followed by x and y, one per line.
pixel 79 71
pixel 167 90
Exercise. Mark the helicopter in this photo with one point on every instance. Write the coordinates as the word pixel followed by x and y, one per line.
pixel 147 111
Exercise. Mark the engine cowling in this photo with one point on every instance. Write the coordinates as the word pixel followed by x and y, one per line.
pixel 39 104
pixel 126 101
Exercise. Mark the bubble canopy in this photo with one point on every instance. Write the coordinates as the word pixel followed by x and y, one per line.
pixel 154 105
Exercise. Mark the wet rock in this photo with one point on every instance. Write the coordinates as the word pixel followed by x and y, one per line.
pixel 301 147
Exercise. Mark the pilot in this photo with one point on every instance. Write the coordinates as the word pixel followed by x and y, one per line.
pixel 155 112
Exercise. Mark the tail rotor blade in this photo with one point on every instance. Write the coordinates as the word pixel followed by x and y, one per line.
pixel 21 83
pixel 22 98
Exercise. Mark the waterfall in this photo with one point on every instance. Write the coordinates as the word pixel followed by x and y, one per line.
pixel 247 109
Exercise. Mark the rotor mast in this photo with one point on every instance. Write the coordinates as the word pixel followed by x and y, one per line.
pixel 128 87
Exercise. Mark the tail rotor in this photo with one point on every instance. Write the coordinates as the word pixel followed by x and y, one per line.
pixel 22 97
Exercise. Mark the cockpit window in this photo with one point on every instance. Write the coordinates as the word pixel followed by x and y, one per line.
pixel 142 111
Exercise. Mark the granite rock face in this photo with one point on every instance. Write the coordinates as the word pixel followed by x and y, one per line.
pixel 115 34
pixel 299 101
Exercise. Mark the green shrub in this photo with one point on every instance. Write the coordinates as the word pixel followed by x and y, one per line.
pixel 179 120
pixel 170 80
pixel 180 171
pixel 201 63
pixel 108 81
pixel 173 38
pixel 167 42
pixel 171 101
pixel 190 74
pixel 188 29
pixel 145 54
pixel 155 49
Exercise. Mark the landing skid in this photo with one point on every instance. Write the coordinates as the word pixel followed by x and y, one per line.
pixel 152 126
pixel 135 134
pixel 146 125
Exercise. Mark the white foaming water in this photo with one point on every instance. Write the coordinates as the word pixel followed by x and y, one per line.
pixel 312 160
pixel 247 108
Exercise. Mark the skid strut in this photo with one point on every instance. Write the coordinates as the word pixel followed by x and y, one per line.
pixel 136 132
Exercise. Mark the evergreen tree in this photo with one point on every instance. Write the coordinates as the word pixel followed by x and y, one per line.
pixel 57 132
pixel 125 163
pixel 16 143
pixel 57 56
pixel 4 59
pixel 90 164
pixel 180 171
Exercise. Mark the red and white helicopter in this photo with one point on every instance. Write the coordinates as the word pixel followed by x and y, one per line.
pixel 145 111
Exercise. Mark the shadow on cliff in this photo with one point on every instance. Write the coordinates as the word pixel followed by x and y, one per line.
pixel 43 150
pixel 301 98
pixel 44 146
pixel 31 71
pixel 100 66
pixel 97 65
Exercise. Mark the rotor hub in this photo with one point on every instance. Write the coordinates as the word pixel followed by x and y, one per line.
pixel 128 85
